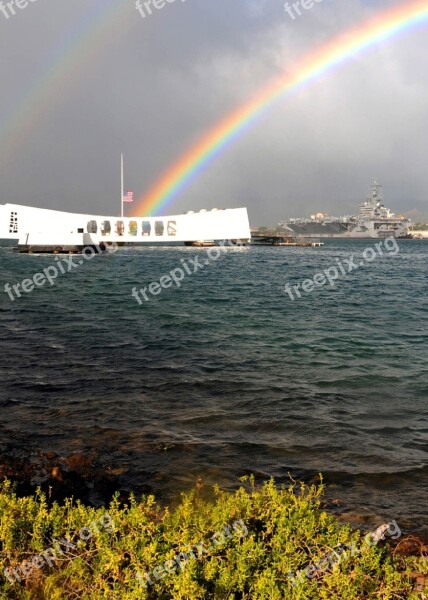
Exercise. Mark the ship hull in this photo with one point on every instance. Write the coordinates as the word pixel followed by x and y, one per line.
pixel 341 231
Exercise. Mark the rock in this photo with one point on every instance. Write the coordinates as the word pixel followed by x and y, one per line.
pixel 78 462
pixel 50 455
pixel 56 473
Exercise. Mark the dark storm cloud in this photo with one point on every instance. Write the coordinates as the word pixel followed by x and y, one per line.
pixel 158 83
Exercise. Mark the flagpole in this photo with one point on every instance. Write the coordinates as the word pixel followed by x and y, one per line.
pixel 121 185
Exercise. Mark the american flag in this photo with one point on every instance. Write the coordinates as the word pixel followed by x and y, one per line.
pixel 128 196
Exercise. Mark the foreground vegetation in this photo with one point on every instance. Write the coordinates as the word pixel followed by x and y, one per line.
pixel 257 543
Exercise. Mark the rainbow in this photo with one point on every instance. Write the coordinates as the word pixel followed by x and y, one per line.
pixel 384 26
pixel 85 39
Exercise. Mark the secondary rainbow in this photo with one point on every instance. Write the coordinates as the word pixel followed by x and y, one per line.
pixel 383 27
pixel 77 49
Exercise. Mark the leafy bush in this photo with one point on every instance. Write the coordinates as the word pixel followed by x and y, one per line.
pixel 256 543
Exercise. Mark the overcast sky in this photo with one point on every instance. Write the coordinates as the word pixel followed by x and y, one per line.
pixel 151 86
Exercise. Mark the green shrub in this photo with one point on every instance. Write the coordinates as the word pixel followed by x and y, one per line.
pixel 256 543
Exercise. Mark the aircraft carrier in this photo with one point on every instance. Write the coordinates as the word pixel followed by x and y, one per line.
pixel 373 221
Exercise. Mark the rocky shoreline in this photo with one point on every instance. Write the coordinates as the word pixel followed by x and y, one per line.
pixel 61 477
pixel 85 479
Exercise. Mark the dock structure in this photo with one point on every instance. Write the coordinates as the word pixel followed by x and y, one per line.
pixel 29 249
pixel 62 249
pixel 273 238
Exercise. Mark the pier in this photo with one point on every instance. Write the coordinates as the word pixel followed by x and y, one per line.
pixel 273 238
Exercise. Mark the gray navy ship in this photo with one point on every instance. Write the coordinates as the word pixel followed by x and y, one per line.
pixel 373 221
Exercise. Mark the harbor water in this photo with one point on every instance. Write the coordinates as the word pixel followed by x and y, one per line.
pixel 225 373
